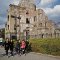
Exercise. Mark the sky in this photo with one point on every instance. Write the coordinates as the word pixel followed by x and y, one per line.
pixel 50 7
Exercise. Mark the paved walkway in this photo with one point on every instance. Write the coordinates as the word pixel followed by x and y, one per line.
pixel 29 56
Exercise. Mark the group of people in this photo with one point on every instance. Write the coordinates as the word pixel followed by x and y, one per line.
pixel 20 47
pixel 8 44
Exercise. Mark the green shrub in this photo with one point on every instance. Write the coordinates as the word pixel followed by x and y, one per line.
pixel 47 45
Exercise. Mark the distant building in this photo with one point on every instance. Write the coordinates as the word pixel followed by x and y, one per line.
pixel 25 19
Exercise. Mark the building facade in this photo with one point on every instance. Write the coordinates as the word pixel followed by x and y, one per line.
pixel 25 20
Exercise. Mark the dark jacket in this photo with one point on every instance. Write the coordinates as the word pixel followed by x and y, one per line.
pixel 17 45
pixel 6 45
pixel 11 45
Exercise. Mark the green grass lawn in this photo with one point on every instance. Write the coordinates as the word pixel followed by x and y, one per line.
pixel 46 45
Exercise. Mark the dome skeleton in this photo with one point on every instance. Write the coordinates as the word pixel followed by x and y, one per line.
pixel 27 1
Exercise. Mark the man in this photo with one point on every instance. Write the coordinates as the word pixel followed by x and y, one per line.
pixel 18 47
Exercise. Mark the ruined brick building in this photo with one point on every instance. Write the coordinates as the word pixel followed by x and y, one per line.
pixel 25 20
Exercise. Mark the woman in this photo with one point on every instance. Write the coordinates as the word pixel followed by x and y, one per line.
pixel 23 46
pixel 11 47
pixel 6 46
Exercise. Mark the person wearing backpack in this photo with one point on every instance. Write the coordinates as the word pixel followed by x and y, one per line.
pixel 17 47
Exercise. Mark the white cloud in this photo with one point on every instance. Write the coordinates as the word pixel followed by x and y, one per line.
pixel 2 26
pixel 53 11
pixel 16 2
pixel 46 3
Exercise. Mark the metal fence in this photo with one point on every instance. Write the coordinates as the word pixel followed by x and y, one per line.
pixel 56 35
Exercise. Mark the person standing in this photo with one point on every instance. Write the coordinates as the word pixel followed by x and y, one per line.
pixel 27 45
pixel 23 46
pixel 6 46
pixel 17 47
pixel 11 47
